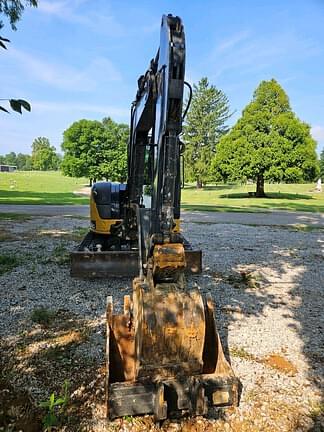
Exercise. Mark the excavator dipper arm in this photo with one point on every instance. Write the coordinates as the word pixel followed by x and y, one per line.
pixel 164 355
pixel 115 241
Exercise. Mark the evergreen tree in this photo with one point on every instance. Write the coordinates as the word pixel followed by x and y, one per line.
pixel 268 143
pixel 205 124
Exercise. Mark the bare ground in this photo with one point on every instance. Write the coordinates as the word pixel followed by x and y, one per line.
pixel 267 283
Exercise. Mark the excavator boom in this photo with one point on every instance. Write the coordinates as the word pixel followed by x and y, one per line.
pixel 164 355
pixel 113 246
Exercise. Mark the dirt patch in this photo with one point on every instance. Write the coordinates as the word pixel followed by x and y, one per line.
pixel 85 191
pixel 7 236
pixel 281 364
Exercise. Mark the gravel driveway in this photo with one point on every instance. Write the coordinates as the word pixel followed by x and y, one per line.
pixel 266 218
pixel 267 282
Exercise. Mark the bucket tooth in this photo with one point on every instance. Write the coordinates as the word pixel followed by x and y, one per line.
pixel 200 401
pixel 160 405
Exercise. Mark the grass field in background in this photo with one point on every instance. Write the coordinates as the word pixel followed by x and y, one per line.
pixel 40 187
pixel 289 197
pixel 53 188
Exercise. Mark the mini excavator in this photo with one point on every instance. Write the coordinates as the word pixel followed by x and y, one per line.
pixel 164 355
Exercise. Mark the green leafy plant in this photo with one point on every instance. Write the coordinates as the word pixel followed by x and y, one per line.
pixel 79 233
pixel 55 407
pixel 8 263
pixel 42 316
pixel 60 255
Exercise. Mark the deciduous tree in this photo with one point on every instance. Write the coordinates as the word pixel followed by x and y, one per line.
pixel 24 162
pixel 82 142
pixel 13 10
pixel 113 163
pixel 11 158
pixel 95 150
pixel 44 156
pixel 268 143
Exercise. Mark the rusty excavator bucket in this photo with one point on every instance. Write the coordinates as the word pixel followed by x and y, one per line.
pixel 164 355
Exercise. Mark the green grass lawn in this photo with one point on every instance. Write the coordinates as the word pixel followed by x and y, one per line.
pixel 235 198
pixel 37 187
pixel 53 188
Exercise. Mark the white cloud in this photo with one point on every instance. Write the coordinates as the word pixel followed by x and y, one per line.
pixel 56 75
pixel 100 70
pixel 318 133
pixel 53 8
pixel 248 53
pixel 97 21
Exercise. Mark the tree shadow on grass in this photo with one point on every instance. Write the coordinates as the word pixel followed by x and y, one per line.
pixel 269 195
pixel 211 187
pixel 35 198
pixel 256 208
pixel 293 206
pixel 217 208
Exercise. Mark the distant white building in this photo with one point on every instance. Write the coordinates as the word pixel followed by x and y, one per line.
pixel 8 168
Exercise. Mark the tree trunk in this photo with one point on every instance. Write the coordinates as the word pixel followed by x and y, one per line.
pixel 90 182
pixel 199 184
pixel 260 187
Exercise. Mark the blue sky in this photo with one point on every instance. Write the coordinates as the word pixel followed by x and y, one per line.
pixel 75 59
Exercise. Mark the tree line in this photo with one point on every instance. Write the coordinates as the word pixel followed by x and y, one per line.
pixel 268 143
pixel 42 158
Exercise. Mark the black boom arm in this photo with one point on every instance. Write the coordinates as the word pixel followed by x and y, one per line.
pixel 156 122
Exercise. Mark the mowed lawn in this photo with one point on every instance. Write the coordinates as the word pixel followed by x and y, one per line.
pixel 289 197
pixel 40 187
pixel 54 188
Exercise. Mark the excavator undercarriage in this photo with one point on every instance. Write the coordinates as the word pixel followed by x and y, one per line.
pixel 164 355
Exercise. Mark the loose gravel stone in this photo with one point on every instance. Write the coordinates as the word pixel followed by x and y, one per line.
pixel 267 284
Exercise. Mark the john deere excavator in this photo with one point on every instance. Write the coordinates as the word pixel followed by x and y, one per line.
pixel 164 355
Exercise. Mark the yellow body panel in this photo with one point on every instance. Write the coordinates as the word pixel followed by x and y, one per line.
pixel 102 226
pixel 99 225
pixel 176 229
